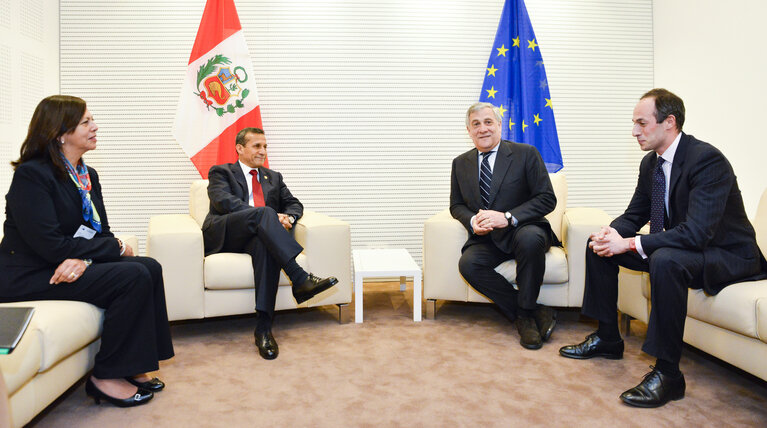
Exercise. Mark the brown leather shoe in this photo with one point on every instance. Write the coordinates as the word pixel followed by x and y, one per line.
pixel 529 337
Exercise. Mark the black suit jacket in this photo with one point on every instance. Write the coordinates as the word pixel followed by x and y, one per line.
pixel 520 185
pixel 706 214
pixel 228 193
pixel 43 212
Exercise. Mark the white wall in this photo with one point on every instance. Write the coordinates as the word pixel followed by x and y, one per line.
pixel 29 71
pixel 712 54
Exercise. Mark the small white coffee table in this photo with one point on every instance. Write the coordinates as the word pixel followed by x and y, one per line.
pixel 383 263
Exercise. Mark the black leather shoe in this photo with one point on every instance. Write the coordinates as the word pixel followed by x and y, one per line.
pixel 267 346
pixel 153 385
pixel 592 347
pixel 529 337
pixel 546 320
pixel 142 396
pixel 655 390
pixel 313 286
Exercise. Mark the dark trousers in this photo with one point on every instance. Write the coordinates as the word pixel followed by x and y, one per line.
pixel 529 246
pixel 259 233
pixel 136 334
pixel 672 272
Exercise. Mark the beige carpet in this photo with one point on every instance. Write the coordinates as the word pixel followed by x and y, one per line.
pixel 465 368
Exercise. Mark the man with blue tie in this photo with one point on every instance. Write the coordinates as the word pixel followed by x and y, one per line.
pixel 251 211
pixel 500 191
pixel 699 237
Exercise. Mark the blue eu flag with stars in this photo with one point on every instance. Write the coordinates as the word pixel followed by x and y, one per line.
pixel 516 83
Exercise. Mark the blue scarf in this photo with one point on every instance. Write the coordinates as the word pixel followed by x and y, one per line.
pixel 82 180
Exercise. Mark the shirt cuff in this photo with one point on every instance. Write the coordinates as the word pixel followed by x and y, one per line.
pixel 471 223
pixel 638 243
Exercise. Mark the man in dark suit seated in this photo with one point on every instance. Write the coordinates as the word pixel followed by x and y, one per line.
pixel 253 215
pixel 699 237
pixel 500 191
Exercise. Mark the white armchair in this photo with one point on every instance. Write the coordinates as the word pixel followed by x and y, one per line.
pixel 222 284
pixel 443 237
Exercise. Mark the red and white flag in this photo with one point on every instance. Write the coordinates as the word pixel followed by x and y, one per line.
pixel 219 95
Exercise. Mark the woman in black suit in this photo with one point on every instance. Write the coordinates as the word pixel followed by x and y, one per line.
pixel 57 246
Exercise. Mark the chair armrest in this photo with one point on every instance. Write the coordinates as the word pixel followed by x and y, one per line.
pixel 443 237
pixel 577 225
pixel 175 241
pixel 131 241
pixel 328 249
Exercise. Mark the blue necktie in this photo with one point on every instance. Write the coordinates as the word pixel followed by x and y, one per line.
pixel 485 180
pixel 658 202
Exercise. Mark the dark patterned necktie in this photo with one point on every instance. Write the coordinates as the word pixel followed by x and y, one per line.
pixel 485 180
pixel 658 202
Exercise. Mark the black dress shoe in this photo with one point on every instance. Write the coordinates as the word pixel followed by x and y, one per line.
pixel 529 337
pixel 267 346
pixel 546 320
pixel 655 390
pixel 311 287
pixel 142 396
pixel 153 385
pixel 592 347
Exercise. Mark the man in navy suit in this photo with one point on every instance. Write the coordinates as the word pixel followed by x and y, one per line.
pixel 500 191
pixel 251 211
pixel 699 237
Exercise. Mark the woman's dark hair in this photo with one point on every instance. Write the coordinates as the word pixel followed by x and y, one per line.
pixel 54 116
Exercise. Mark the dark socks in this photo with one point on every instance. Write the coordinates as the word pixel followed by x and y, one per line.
pixel 525 313
pixel 264 323
pixel 295 272
pixel 668 368
pixel 608 332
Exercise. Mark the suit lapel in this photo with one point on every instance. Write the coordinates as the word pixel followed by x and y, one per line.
pixel 677 167
pixel 240 178
pixel 266 183
pixel 471 168
pixel 500 168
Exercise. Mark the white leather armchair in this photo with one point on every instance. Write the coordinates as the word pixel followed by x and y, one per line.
pixel 563 280
pixel 222 284
pixel 731 326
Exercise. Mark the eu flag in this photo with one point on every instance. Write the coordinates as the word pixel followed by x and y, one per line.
pixel 516 83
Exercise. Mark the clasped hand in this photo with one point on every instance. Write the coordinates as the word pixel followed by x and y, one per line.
pixel 285 221
pixel 608 242
pixel 487 220
pixel 68 271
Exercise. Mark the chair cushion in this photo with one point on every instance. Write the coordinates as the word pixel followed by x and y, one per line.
pixel 231 271
pixel 556 268
pixel 761 319
pixel 64 327
pixel 734 308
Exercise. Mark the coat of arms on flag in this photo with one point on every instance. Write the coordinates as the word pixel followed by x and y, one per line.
pixel 219 95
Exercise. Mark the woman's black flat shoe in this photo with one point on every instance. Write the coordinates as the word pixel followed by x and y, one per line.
pixel 142 396
pixel 154 385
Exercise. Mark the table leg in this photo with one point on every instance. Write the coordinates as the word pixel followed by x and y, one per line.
pixel 417 297
pixel 402 283
pixel 357 298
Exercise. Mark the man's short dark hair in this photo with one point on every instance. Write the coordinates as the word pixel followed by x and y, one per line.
pixel 240 139
pixel 667 104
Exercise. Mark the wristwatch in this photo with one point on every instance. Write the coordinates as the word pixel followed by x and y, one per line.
pixel 508 217
pixel 291 218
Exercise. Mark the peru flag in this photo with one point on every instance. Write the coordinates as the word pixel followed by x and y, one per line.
pixel 219 95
